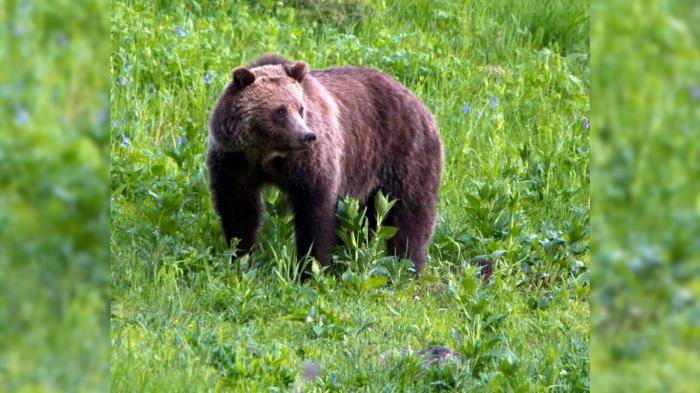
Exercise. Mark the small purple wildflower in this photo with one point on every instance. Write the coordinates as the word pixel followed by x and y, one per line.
pixel 695 92
pixel 63 40
pixel 21 116
pixel 179 32
pixel 122 81
pixel 207 78
pixel 126 67
pixel 125 142
pixel 153 89
pixel 586 124
pixel 466 108
pixel 494 102
pixel 103 115
pixel 17 30
pixel 181 140
pixel 311 371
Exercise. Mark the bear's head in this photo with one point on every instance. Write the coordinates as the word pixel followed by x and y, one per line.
pixel 262 109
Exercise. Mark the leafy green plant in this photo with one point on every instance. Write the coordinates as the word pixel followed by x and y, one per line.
pixel 364 245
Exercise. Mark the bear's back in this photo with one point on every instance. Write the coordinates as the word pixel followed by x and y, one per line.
pixel 383 126
pixel 371 101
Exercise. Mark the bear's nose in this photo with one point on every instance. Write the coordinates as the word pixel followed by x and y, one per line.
pixel 309 137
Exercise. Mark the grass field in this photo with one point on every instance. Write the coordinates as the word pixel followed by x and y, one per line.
pixel 508 84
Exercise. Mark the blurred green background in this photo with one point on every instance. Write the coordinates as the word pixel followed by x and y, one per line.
pixel 645 100
pixel 54 196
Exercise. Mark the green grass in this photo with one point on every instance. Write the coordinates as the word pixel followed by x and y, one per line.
pixel 508 84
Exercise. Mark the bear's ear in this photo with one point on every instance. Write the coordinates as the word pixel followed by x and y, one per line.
pixel 242 77
pixel 296 70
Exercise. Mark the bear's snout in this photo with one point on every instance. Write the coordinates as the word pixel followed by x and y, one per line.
pixel 308 137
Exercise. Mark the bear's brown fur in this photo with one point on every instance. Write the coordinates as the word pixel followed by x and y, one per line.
pixel 319 136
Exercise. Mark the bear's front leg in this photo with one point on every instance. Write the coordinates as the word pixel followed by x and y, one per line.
pixel 239 210
pixel 314 224
pixel 237 200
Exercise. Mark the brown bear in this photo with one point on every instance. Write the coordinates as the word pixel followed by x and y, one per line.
pixel 320 135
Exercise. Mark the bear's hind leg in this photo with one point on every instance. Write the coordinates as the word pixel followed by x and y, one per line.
pixel 415 182
pixel 415 227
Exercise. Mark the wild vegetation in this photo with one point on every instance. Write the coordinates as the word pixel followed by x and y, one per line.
pixel 508 84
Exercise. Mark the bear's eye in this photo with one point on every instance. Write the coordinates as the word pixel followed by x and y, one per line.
pixel 301 111
pixel 281 112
